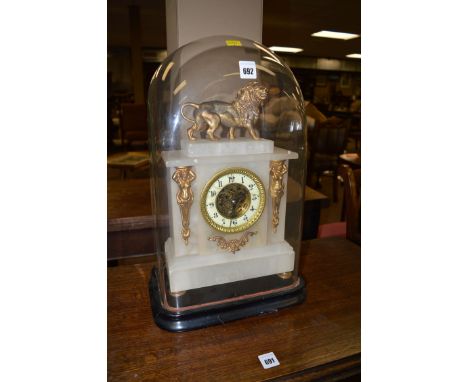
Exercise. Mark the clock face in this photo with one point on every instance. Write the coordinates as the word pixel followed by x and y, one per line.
pixel 233 200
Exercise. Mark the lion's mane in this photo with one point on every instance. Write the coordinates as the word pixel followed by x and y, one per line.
pixel 248 101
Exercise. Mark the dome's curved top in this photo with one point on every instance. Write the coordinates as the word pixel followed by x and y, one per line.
pixel 223 69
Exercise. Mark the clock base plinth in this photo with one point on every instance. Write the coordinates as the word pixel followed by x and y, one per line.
pixel 223 267
pixel 223 312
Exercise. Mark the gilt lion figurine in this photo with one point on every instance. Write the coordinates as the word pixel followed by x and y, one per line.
pixel 242 113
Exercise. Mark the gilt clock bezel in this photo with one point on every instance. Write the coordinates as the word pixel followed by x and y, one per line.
pixel 253 219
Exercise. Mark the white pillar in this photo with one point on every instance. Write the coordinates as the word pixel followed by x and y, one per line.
pixel 189 20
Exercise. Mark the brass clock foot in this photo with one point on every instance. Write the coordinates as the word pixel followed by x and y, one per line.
pixel 285 275
pixel 178 294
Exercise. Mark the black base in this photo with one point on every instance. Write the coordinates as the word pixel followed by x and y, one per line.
pixel 222 313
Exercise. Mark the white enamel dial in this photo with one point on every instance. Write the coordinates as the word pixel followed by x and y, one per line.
pixel 233 200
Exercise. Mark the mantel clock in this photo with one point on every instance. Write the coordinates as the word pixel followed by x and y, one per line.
pixel 227 151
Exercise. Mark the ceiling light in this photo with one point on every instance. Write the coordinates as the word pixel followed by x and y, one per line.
pixel 338 35
pixel 285 49
pixel 354 55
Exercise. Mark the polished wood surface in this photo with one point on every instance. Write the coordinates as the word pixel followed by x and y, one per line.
pixel 314 201
pixel 129 218
pixel 128 198
pixel 311 195
pixel 317 339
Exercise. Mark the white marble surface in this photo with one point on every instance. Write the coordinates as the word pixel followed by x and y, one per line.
pixel 239 146
pixel 189 272
pixel 200 262
pixel 178 158
pixel 198 242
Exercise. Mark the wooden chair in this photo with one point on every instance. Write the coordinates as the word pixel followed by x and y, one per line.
pixel 326 142
pixel 133 124
pixel 352 202
pixel 355 131
pixel 351 227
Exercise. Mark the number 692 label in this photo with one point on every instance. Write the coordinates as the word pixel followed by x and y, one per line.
pixel 247 69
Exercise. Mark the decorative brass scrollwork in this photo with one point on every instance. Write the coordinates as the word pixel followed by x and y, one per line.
pixel 277 170
pixel 232 245
pixel 184 176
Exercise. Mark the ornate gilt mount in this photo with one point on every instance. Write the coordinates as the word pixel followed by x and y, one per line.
pixel 184 176
pixel 241 113
pixel 232 245
pixel 277 170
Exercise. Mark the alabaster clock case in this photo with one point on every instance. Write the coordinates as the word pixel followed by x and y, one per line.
pixel 227 145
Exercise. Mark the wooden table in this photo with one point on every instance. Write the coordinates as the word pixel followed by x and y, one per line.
pixel 314 201
pixel 319 339
pixel 129 220
pixel 128 198
pixel 128 161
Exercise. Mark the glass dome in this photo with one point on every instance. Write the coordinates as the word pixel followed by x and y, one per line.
pixel 227 146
